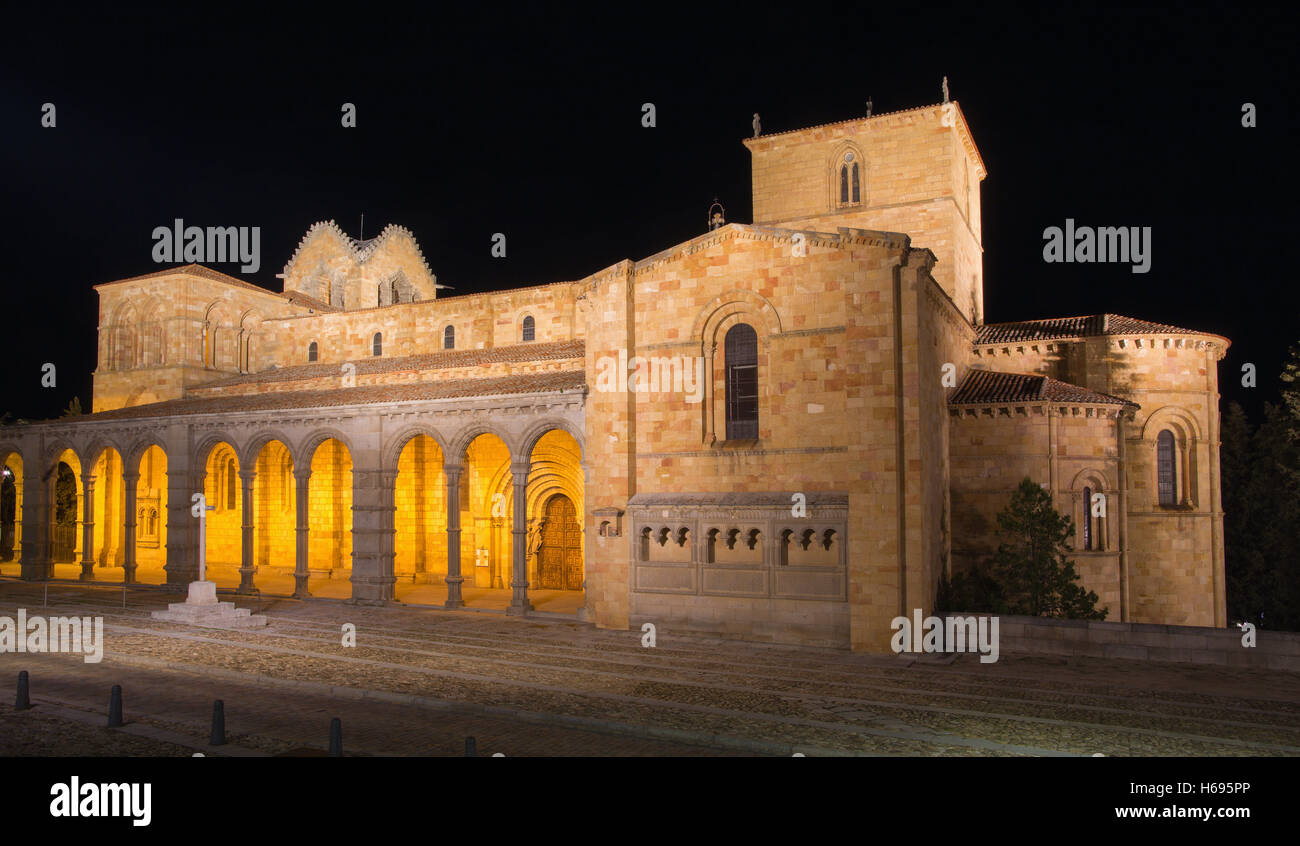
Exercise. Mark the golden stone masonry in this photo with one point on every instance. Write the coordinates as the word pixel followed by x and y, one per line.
pixel 363 437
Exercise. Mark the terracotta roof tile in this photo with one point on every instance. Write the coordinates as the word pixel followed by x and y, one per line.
pixel 983 387
pixel 1072 327
pixel 367 395
pixel 550 351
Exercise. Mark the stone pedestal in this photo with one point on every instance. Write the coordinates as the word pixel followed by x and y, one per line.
pixel 201 608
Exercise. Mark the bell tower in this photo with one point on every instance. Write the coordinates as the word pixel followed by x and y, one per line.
pixel 915 171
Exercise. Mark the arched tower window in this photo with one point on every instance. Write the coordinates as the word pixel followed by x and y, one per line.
pixel 1165 474
pixel 377 344
pixel 850 183
pixel 449 338
pixel 529 328
pixel 741 356
pixel 313 352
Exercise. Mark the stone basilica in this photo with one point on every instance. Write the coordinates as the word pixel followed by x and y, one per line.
pixel 785 454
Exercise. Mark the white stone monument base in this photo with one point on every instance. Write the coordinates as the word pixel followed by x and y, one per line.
pixel 201 608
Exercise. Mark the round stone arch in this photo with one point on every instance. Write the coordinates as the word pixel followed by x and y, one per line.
pixel 457 444
pixel 1095 482
pixel 124 336
pixel 98 446
pixel 218 339
pixel 50 458
pixel 133 455
pixel 395 443
pixel 1179 420
pixel 8 449
pixel 248 455
pixel 729 308
pixel 518 324
pixel 1187 435
pixel 250 324
pixel 203 450
pixel 1090 477
pixel 309 444
pixel 711 326
pixel 536 431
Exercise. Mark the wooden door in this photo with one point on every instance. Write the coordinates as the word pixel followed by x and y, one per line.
pixel 559 565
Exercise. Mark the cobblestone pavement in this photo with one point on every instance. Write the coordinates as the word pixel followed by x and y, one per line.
pixel 420 680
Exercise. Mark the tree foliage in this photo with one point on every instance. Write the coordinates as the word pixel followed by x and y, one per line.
pixel 1036 576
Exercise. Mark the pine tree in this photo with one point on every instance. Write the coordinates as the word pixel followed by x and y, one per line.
pixel 1031 565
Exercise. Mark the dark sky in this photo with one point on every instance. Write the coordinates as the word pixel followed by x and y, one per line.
pixel 528 122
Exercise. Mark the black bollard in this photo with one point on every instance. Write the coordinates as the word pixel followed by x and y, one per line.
pixel 218 724
pixel 336 738
pixel 22 703
pixel 115 707
pixel 471 748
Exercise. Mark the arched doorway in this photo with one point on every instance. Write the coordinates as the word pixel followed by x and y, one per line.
pixel 559 554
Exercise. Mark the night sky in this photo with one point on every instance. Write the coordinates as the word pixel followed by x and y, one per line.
pixel 528 122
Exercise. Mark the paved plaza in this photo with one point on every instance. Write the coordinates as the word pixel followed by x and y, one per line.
pixel 420 680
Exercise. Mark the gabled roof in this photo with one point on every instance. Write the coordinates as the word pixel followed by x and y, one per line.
pixel 196 270
pixel 985 387
pixel 1074 327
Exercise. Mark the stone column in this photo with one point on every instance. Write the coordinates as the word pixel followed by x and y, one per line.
pixel 247 568
pixel 519 604
pixel 372 533
pixel 302 532
pixel 709 389
pixel 183 481
pixel 454 580
pixel 88 529
pixel 129 479
pixel 37 505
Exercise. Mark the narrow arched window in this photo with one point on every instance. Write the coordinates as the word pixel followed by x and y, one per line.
pixel 449 338
pixel 850 182
pixel 1087 518
pixel 377 344
pixel 313 352
pixel 529 328
pixel 397 297
pixel 741 356
pixel 1165 474
pixel 231 484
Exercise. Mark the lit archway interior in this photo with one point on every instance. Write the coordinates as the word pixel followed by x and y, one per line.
pixel 151 517
pixel 275 519
pixel 329 498
pixel 11 510
pixel 221 490
pixel 66 517
pixel 420 519
pixel 487 514
pixel 556 539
